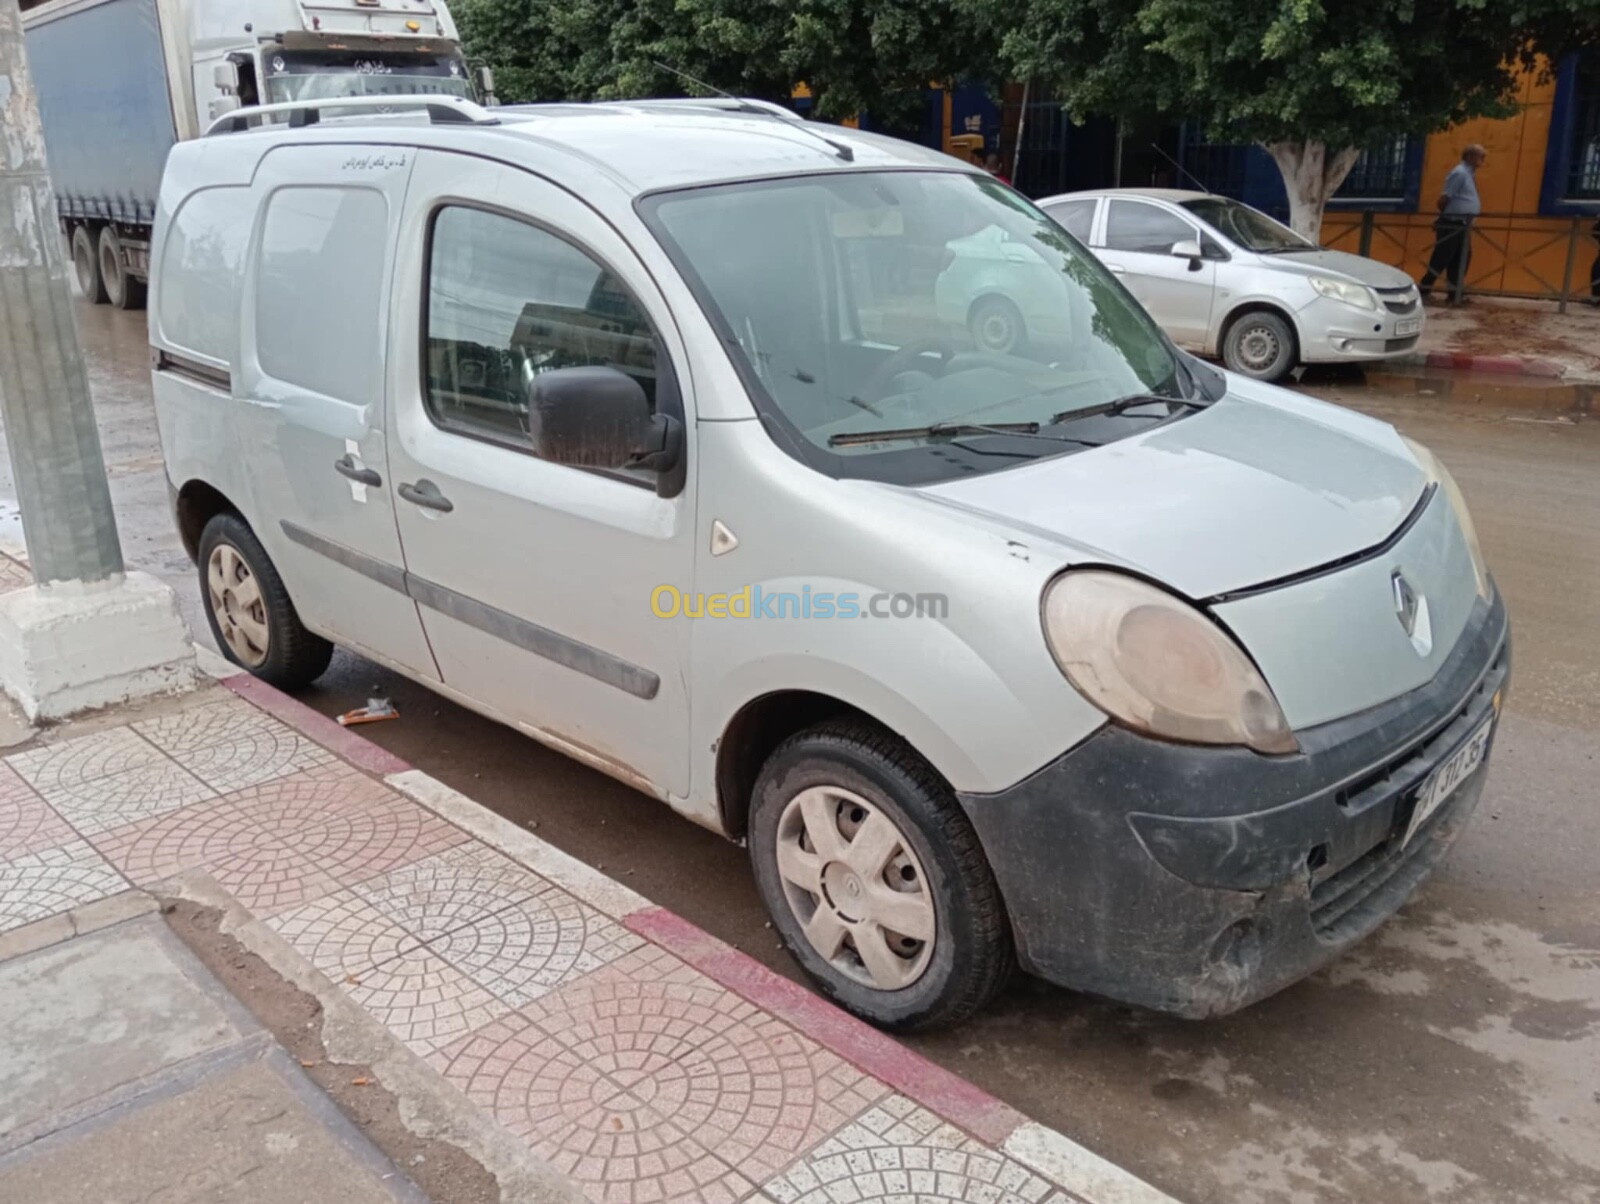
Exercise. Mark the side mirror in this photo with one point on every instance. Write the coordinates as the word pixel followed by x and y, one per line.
pixel 226 76
pixel 483 77
pixel 598 417
pixel 1190 250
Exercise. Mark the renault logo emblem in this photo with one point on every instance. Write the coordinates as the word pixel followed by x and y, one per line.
pixel 1405 602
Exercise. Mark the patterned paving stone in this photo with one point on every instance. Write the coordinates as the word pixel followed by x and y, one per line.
pixel 72 762
pixel 528 949
pixel 422 1000
pixel 357 844
pixel 449 890
pixel 309 798
pixel 99 804
pixel 194 837
pixel 36 885
pixel 27 822
pixel 898 1151
pixel 269 877
pixel 342 935
pixel 693 1067
pixel 13 575
pixel 230 744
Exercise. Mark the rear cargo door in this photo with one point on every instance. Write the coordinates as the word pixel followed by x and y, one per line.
pixel 310 383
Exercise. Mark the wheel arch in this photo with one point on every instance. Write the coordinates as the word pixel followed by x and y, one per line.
pixel 758 727
pixel 195 505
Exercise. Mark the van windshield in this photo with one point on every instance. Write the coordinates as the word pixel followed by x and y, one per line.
pixel 915 326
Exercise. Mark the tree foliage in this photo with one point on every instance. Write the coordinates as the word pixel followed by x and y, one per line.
pixel 854 55
pixel 1312 80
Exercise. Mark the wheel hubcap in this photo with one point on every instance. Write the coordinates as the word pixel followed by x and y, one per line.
pixel 995 332
pixel 1258 348
pixel 237 605
pixel 856 887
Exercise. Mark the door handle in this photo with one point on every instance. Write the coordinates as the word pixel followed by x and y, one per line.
pixel 426 494
pixel 345 466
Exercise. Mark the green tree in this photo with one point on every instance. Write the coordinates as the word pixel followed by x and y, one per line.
pixel 1313 81
pixel 855 55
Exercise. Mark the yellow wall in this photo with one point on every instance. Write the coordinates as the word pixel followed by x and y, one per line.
pixel 1519 253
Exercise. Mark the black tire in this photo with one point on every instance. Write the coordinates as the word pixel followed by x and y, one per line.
pixel 121 289
pixel 971 954
pixel 997 326
pixel 1261 345
pixel 293 657
pixel 86 265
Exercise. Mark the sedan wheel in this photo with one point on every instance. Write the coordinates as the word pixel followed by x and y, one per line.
pixel 1260 345
pixel 237 604
pixel 856 887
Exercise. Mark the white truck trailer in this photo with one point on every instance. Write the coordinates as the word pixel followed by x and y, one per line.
pixel 120 81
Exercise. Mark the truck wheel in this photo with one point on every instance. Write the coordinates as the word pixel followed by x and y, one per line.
pixel 121 289
pixel 86 265
pixel 1260 345
pixel 249 610
pixel 874 878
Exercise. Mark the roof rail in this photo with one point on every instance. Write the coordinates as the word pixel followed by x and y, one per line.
pixel 725 104
pixel 441 110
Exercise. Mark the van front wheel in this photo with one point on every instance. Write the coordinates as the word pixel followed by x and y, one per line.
pixel 251 617
pixel 875 880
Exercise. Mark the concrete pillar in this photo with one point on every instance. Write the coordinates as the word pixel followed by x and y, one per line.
pixel 87 633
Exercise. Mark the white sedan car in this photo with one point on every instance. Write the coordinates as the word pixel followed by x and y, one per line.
pixel 1226 280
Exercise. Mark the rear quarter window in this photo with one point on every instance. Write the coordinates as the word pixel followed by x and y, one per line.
pixel 197 306
pixel 319 290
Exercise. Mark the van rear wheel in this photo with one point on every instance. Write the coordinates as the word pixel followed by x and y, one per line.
pixel 875 880
pixel 249 610
pixel 86 265
pixel 121 289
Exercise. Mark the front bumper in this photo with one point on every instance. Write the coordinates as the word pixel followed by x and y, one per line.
pixel 1199 880
pixel 1331 331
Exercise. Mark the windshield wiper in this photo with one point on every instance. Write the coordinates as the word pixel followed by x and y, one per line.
pixel 949 430
pixel 1124 403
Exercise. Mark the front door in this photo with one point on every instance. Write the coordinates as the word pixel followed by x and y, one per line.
pixel 1177 291
pixel 535 578
pixel 310 386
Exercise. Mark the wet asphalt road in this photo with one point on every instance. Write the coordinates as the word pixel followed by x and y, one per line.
pixel 1453 1056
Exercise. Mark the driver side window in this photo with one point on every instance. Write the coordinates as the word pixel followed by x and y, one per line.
pixel 1137 226
pixel 508 301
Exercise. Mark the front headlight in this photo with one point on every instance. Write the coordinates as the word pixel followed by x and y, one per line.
pixel 1358 295
pixel 1440 475
pixel 1159 665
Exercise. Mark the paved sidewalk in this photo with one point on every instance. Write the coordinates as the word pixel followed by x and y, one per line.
pixel 634 1053
pixel 1505 335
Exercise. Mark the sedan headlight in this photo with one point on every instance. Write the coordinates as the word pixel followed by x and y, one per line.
pixel 1158 664
pixel 1358 295
pixel 1440 475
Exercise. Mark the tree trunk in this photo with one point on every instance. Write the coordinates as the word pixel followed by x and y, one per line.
pixel 1311 174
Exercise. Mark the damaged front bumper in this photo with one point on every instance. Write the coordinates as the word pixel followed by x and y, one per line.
pixel 1199 880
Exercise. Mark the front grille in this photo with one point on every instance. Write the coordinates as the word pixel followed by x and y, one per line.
pixel 1348 902
pixel 1398 300
pixel 1405 344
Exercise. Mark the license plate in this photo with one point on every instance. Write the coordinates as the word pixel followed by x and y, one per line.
pixel 1444 780
pixel 1407 326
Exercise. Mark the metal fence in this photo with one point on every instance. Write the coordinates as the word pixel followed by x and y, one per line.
pixel 1502 255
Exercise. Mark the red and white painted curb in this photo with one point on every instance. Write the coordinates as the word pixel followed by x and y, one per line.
pixel 950 1096
pixel 1498 365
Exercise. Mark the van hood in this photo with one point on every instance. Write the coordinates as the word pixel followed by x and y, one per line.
pixel 1261 485
pixel 1357 267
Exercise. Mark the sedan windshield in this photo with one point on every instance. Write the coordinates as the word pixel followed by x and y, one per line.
pixel 914 326
pixel 1246 227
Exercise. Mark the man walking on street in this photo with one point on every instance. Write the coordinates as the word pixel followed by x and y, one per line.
pixel 1452 229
